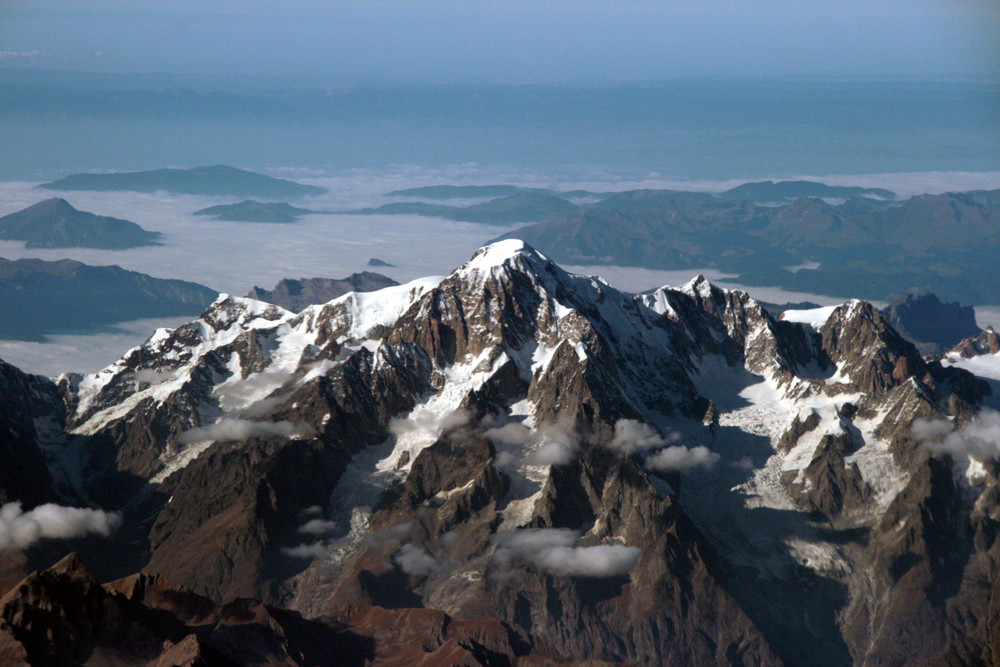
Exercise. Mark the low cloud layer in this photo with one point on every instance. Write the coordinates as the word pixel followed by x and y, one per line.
pixel 979 439
pixel 20 529
pixel 554 550
pixel 226 430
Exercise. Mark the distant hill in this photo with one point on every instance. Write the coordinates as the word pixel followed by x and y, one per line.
pixel 217 180
pixel 42 297
pixel 945 243
pixel 375 261
pixel 520 207
pixel 932 326
pixel 294 295
pixel 461 191
pixel 766 192
pixel 255 211
pixel 54 223
pixel 445 192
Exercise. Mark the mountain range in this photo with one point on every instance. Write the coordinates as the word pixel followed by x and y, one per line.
pixel 870 248
pixel 54 223
pixel 216 180
pixel 528 206
pixel 508 465
pixel 41 297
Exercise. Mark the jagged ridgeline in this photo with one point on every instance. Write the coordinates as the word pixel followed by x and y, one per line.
pixel 514 465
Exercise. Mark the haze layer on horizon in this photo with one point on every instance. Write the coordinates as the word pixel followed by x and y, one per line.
pixel 556 41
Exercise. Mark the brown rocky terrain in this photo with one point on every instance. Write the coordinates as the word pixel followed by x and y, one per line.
pixel 515 465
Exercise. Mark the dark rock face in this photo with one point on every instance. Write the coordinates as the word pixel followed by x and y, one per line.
pixel 932 326
pixel 233 508
pixel 53 223
pixel 63 616
pixel 515 465
pixel 294 295
pixel 31 415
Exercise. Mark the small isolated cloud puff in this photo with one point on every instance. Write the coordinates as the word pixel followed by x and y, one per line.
pixel 427 423
pixel 513 434
pixel 600 561
pixel 979 439
pixel 558 446
pixel 149 376
pixel 226 430
pixel 632 435
pixel 318 526
pixel 682 459
pixel 414 560
pixel 316 550
pixel 553 550
pixel 19 529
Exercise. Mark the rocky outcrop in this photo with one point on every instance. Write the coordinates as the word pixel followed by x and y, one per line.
pixel 63 616
pixel 827 485
pixel 934 327
pixel 31 417
pixel 986 342
pixel 294 295
pixel 866 348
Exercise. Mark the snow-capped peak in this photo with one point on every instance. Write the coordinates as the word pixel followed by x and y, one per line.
pixel 509 252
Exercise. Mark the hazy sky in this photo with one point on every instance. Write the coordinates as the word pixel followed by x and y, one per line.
pixel 375 41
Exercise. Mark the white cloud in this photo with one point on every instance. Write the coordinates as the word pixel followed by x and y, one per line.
pixel 559 445
pixel 318 526
pixel 632 435
pixel 414 560
pixel 240 429
pixel 247 392
pixel 512 434
pixel 979 439
pixel 20 529
pixel 337 245
pixel 316 550
pixel 682 459
pixel 427 424
pixel 554 550
pixel 149 376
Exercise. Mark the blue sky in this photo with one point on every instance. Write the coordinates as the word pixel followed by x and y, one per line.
pixel 550 41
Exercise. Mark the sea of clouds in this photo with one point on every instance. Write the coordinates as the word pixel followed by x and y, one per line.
pixel 233 257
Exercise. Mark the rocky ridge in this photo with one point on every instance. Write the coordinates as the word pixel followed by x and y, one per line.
pixel 555 468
